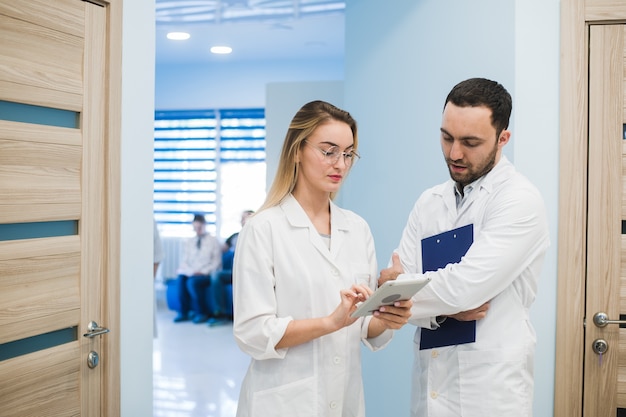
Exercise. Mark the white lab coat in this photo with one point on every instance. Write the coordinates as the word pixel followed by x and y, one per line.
pixel 494 375
pixel 284 271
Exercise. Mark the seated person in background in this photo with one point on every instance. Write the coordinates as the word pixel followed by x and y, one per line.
pixel 231 242
pixel 202 256
pixel 223 307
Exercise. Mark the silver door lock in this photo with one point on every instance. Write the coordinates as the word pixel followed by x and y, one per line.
pixel 600 346
pixel 93 359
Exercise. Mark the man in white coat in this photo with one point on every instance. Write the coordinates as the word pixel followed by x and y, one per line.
pixel 493 374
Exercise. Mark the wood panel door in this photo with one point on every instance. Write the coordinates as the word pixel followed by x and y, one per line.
pixel 604 387
pixel 59 220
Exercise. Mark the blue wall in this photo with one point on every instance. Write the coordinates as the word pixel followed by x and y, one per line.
pixel 400 64
pixel 234 85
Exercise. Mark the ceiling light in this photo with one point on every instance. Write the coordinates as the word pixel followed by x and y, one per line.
pixel 221 49
pixel 178 36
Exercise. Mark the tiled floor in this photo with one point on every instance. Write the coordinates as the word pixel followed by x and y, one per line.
pixel 197 369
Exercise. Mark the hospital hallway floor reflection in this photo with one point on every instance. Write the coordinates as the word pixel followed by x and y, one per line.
pixel 197 369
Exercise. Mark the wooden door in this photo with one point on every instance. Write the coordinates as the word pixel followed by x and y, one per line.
pixel 604 387
pixel 58 208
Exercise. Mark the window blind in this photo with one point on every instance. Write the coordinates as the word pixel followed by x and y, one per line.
pixel 210 162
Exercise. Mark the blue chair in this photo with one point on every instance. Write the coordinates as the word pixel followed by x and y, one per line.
pixel 171 295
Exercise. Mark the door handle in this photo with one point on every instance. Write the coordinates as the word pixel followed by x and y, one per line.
pixel 601 320
pixel 95 330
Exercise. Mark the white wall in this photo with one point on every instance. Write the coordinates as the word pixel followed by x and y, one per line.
pixel 136 230
pixel 398 73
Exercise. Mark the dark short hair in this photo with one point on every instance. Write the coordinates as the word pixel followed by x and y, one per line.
pixel 476 92
pixel 199 218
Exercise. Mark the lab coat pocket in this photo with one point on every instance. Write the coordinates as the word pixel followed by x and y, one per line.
pixel 494 383
pixel 361 274
pixel 296 399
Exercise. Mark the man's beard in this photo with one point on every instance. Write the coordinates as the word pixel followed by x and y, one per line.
pixel 472 174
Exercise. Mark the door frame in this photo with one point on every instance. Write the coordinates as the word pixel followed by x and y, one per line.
pixel 576 17
pixel 111 389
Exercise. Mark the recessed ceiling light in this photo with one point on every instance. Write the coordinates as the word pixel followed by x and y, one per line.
pixel 178 36
pixel 221 49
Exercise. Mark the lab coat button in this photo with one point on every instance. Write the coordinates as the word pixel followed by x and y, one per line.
pixel 333 405
pixel 334 272
pixel 337 360
pixel 434 395
pixel 434 353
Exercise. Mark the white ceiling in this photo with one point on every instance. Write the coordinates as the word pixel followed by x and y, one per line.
pixel 255 29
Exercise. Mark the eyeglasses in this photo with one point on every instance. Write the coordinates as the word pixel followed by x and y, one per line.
pixel 332 155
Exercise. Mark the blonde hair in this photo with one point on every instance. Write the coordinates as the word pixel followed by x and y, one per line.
pixel 306 120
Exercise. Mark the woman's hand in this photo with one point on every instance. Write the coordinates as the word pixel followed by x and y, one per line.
pixel 394 316
pixel 304 330
pixel 349 299
pixel 390 317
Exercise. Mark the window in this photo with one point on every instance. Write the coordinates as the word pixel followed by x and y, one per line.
pixel 210 162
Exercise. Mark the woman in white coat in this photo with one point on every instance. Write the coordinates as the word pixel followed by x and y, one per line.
pixel 297 277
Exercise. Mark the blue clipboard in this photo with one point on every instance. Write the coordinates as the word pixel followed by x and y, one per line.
pixel 437 252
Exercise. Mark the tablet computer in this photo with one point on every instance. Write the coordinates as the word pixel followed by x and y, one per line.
pixel 389 293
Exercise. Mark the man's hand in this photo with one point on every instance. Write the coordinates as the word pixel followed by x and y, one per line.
pixel 392 272
pixel 475 314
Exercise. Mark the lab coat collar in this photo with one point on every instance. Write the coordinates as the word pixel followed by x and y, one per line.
pixel 297 217
pixel 500 173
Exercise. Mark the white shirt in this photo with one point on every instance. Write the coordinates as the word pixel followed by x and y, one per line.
pixel 283 271
pixel 494 375
pixel 206 259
